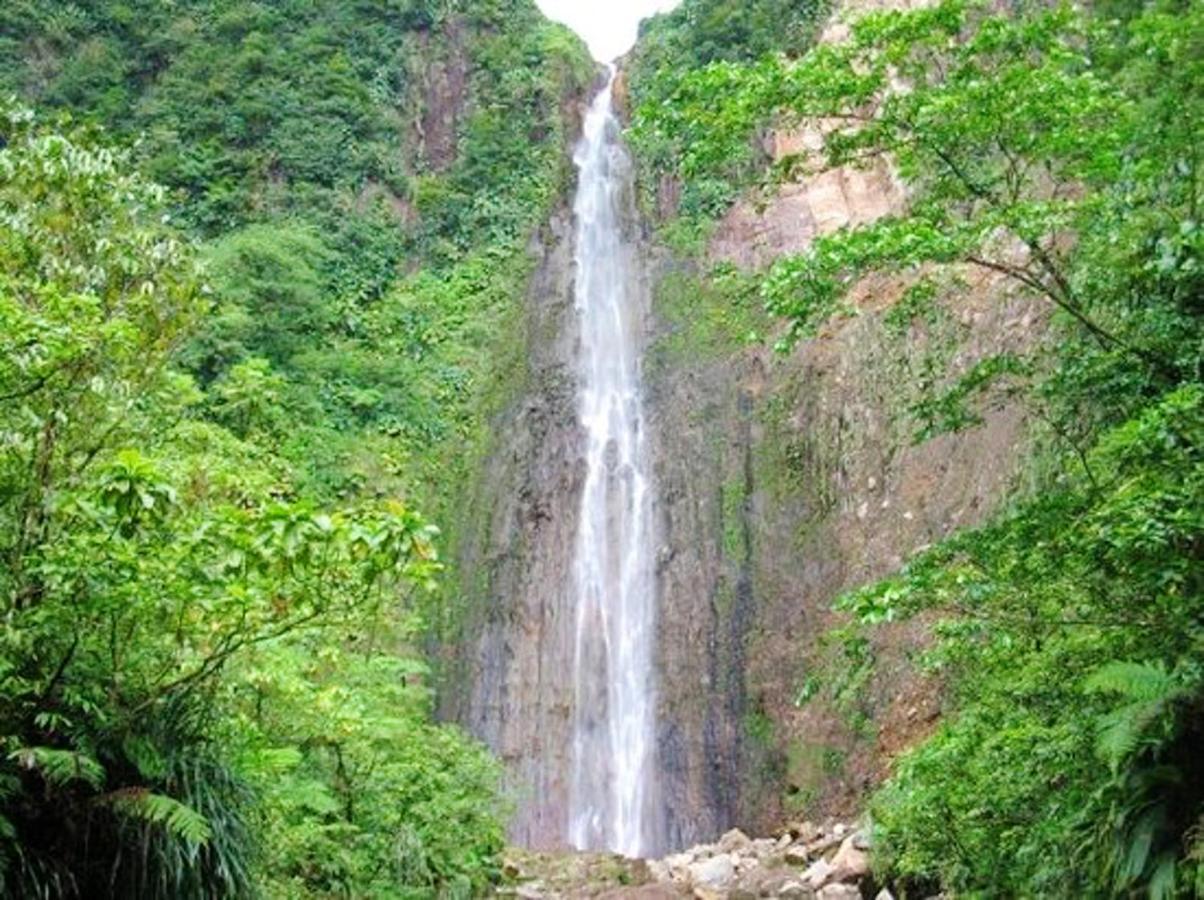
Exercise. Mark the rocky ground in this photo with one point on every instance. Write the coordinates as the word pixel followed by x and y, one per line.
pixel 804 862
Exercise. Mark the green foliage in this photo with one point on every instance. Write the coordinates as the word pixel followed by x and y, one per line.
pixel 179 819
pixel 1058 150
pixel 379 802
pixel 423 134
pixel 1038 611
pixel 1151 692
pixel 160 574
pixel 685 61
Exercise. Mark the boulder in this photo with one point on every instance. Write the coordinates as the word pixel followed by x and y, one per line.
pixel 849 863
pixel 784 884
pixel 823 845
pixel 796 855
pixel 839 892
pixel 795 891
pixel 716 873
pixel 678 865
pixel 818 874
pixel 658 870
pixel 734 841
pixel 763 847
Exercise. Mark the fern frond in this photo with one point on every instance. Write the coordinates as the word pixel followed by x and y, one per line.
pixel 1162 882
pixel 145 756
pixel 1137 846
pixel 60 767
pixel 178 818
pixel 1120 731
pixel 270 760
pixel 1140 682
pixel 1150 690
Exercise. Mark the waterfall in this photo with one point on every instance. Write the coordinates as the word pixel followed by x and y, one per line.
pixel 611 803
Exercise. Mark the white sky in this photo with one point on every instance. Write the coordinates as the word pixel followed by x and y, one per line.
pixel 608 26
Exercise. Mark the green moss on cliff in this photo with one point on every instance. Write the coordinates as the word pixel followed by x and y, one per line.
pixel 705 316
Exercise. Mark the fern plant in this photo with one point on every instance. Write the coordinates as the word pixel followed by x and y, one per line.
pixel 1151 694
pixel 179 819
pixel 1147 839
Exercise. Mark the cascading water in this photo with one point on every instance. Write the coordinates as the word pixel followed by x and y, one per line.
pixel 611 803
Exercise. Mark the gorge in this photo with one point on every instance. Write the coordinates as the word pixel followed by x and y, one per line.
pixel 434 465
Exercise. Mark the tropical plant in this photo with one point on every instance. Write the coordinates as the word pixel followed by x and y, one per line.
pixel 149 556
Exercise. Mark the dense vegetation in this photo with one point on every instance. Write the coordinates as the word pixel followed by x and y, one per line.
pixel 223 401
pixel 1060 149
pixel 322 149
pixel 673 66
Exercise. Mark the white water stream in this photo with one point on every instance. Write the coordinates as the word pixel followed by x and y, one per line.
pixel 611 803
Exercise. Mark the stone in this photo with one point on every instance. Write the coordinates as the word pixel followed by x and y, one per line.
pixel 784 884
pixel 715 873
pixel 734 840
pixel 818 874
pixel 839 892
pixel 678 862
pixel 794 891
pixel 849 863
pixel 796 855
pixel 822 845
pixel 763 847
pixel 862 840
pixel 884 894
pixel 658 870
pixel 642 892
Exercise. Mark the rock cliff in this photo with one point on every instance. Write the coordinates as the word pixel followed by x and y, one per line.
pixel 787 479
pixel 782 481
pixel 514 690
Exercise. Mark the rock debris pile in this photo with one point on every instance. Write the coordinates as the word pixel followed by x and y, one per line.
pixel 804 862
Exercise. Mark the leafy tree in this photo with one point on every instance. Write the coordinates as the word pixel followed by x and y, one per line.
pixel 149 555
pixel 1059 149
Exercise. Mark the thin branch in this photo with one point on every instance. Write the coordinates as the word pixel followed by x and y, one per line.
pixel 216 660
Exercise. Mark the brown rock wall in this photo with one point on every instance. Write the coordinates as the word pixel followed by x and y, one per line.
pixel 513 690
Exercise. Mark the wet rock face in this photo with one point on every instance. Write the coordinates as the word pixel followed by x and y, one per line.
pixel 444 87
pixel 787 480
pixel 702 435
pixel 514 689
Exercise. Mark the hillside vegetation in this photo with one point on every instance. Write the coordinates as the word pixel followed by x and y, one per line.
pixel 1059 148
pixel 251 258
